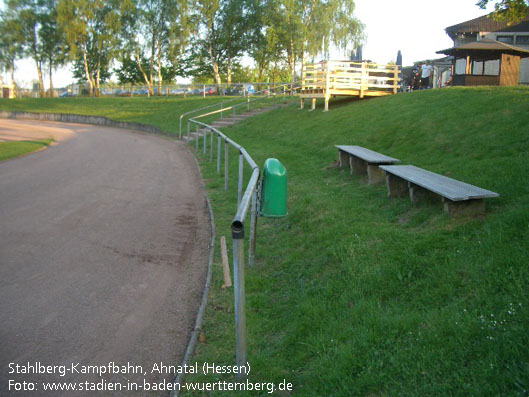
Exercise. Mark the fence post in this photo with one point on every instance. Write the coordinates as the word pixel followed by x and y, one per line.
pixel 196 137
pixel 204 91
pixel 180 129
pixel 363 80
pixel 241 170
pixel 211 146
pixel 221 111
pixel 205 139
pixel 253 228
pixel 240 301
pixel 218 156
pixel 188 133
pixel 327 95
pixel 396 79
pixel 226 147
pixel 248 101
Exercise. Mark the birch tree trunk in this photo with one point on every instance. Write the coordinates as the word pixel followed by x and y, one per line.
pixel 215 65
pixel 51 78
pixel 229 66
pixel 160 67
pixel 138 61
pixel 12 72
pixel 41 80
pixel 87 73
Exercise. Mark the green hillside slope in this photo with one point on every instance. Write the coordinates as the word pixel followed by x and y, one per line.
pixel 356 295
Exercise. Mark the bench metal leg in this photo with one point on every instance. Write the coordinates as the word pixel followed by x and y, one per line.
pixel 397 187
pixel 464 208
pixel 375 175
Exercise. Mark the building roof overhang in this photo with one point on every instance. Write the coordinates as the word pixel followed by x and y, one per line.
pixel 485 49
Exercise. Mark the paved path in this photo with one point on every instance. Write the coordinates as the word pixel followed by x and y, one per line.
pixel 103 254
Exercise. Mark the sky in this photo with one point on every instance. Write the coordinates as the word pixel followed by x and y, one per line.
pixel 416 28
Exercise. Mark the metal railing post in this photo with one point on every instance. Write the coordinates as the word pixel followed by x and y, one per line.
pixel 205 139
pixel 221 110
pixel 188 133
pixel 253 228
pixel 180 129
pixel 211 146
pixel 226 165
pixel 239 186
pixel 218 156
pixel 248 101
pixel 196 138
pixel 240 303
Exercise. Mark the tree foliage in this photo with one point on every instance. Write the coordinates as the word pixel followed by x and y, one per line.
pixel 511 11
pixel 92 30
pixel 10 47
pixel 153 41
pixel 158 32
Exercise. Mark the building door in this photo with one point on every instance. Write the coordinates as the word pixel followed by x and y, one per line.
pixel 510 70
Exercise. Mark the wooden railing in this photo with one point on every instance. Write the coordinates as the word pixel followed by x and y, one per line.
pixel 350 78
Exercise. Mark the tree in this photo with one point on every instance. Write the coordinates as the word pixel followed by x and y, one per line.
pixel 308 21
pixel 128 71
pixel 92 30
pixel 232 32
pixel 27 15
pixel 510 11
pixel 94 61
pixel 264 39
pixel 158 32
pixel 10 48
pixel 54 47
pixel 208 17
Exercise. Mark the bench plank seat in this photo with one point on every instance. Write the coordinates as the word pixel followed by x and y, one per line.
pixel 367 155
pixel 363 161
pixel 444 186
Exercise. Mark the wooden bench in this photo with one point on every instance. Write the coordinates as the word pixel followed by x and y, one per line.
pixel 364 161
pixel 459 198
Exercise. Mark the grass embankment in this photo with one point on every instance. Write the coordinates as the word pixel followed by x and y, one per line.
pixel 9 150
pixel 161 112
pixel 356 295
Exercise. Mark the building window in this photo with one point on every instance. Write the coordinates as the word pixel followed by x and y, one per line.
pixel 505 39
pixel 522 39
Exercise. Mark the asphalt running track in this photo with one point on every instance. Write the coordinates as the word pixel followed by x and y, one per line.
pixel 104 241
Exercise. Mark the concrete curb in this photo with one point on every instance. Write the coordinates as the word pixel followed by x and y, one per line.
pixel 82 119
pixel 202 309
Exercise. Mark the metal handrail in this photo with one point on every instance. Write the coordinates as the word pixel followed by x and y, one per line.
pixel 246 202
pixel 202 109
pixel 221 104
pixel 250 99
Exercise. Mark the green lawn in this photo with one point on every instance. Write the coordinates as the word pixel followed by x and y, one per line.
pixel 9 150
pixel 356 295
pixel 161 112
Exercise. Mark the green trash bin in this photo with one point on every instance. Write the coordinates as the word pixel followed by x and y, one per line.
pixel 274 189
